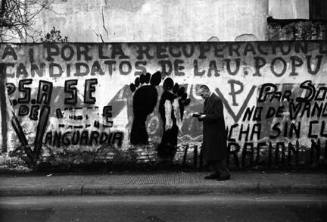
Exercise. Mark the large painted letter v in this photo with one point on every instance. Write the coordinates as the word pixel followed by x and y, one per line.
pixel 229 109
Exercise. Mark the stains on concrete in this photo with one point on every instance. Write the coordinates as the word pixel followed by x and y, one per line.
pixel 291 9
pixel 213 39
pixel 246 37
pixel 155 20
pixel 128 5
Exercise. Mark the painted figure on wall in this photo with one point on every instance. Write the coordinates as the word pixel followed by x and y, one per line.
pixel 171 109
pixel 144 101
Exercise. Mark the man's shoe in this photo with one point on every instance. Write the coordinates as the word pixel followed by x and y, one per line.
pixel 223 178
pixel 212 176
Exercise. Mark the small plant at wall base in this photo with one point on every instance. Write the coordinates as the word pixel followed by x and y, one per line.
pixel 54 36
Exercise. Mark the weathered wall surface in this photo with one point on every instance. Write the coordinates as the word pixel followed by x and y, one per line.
pixel 291 9
pixel 71 103
pixel 155 20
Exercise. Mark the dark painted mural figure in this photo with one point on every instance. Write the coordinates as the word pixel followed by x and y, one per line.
pixel 171 109
pixel 214 135
pixel 144 101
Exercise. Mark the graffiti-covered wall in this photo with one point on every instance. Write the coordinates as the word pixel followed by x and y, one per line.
pixel 89 102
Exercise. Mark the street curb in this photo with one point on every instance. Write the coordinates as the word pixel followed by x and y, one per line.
pixel 162 190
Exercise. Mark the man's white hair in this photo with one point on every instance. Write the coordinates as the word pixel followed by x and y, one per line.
pixel 204 87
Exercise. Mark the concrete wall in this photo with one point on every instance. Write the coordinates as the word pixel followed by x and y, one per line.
pixel 155 20
pixel 289 9
pixel 71 103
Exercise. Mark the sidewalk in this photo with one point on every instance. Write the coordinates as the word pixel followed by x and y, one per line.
pixel 162 184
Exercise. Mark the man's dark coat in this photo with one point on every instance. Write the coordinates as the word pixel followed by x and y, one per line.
pixel 214 134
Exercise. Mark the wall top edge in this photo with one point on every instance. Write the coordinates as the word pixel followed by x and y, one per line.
pixel 182 42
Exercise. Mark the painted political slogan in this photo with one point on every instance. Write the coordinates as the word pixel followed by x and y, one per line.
pixel 98 102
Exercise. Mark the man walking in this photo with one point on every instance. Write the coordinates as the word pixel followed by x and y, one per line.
pixel 214 136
